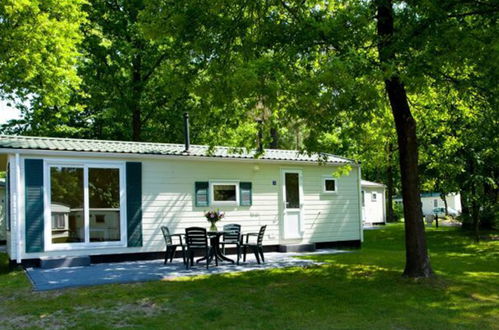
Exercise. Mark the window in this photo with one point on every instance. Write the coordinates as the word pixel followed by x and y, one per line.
pixel 86 202
pixel 435 202
pixel 363 198
pixel 58 220
pixel 329 185
pixel 374 197
pixel 224 193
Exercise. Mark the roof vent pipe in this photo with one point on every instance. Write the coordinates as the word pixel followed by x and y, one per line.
pixel 187 138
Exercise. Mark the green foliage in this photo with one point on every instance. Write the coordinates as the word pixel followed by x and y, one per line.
pixel 39 49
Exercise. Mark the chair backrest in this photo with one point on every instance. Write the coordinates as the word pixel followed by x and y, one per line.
pixel 260 234
pixel 196 237
pixel 166 235
pixel 232 232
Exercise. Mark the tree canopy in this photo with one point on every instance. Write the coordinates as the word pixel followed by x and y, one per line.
pixel 382 81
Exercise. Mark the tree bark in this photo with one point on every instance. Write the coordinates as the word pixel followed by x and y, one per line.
pixel 274 138
pixel 136 95
pixel 417 260
pixel 389 184
pixel 442 196
pixel 475 207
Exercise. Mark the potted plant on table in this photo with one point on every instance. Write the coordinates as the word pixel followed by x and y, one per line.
pixel 213 216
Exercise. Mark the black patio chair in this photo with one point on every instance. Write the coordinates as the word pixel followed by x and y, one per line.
pixel 197 239
pixel 232 236
pixel 257 246
pixel 171 247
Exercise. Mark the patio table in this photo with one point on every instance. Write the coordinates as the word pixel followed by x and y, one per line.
pixel 215 243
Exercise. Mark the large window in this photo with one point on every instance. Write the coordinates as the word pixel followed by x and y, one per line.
pixel 224 193
pixel 85 204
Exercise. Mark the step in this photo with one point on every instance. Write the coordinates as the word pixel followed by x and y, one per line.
pixel 297 247
pixel 59 262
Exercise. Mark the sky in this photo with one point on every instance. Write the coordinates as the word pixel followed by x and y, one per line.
pixel 7 113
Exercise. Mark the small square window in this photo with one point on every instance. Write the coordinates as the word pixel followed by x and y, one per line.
pixel 374 197
pixel 224 193
pixel 329 185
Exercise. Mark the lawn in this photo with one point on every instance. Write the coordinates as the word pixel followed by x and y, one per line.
pixel 362 289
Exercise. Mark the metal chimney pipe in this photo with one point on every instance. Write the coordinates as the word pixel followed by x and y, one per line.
pixel 187 138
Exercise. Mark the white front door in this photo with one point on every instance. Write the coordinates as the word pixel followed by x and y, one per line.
pixel 293 204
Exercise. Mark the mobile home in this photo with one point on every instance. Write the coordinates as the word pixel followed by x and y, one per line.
pixel 74 197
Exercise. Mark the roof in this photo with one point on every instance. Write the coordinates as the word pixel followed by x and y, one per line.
pixel 365 183
pixel 167 149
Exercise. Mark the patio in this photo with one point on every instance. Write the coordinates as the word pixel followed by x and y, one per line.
pixel 141 271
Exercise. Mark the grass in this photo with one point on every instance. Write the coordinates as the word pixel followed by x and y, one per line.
pixel 363 289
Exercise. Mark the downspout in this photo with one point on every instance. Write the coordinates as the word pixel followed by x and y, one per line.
pixel 361 229
pixel 18 208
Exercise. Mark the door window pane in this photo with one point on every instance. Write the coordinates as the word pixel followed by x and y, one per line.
pixel 66 191
pixel 292 190
pixel 104 204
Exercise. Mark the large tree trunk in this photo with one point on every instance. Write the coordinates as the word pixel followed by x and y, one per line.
pixel 274 138
pixel 443 197
pixel 389 185
pixel 417 260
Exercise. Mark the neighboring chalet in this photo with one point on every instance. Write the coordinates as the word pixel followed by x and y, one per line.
pixel 373 202
pixel 433 200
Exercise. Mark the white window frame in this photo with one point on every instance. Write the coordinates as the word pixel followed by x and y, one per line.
pixel 324 179
pixel 374 196
pixel 85 164
pixel 213 183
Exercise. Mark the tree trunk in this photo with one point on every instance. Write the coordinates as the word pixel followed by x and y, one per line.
pixel 442 196
pixel 475 207
pixel 389 184
pixel 417 260
pixel 274 138
pixel 135 98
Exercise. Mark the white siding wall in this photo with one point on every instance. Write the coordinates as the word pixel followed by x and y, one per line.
pixel 330 217
pixel 168 199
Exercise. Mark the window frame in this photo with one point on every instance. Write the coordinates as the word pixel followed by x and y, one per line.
pixel 329 178
pixel 213 183
pixel 86 165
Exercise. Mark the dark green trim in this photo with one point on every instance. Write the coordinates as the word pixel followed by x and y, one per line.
pixel 245 194
pixel 33 194
pixel 134 203
pixel 201 193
